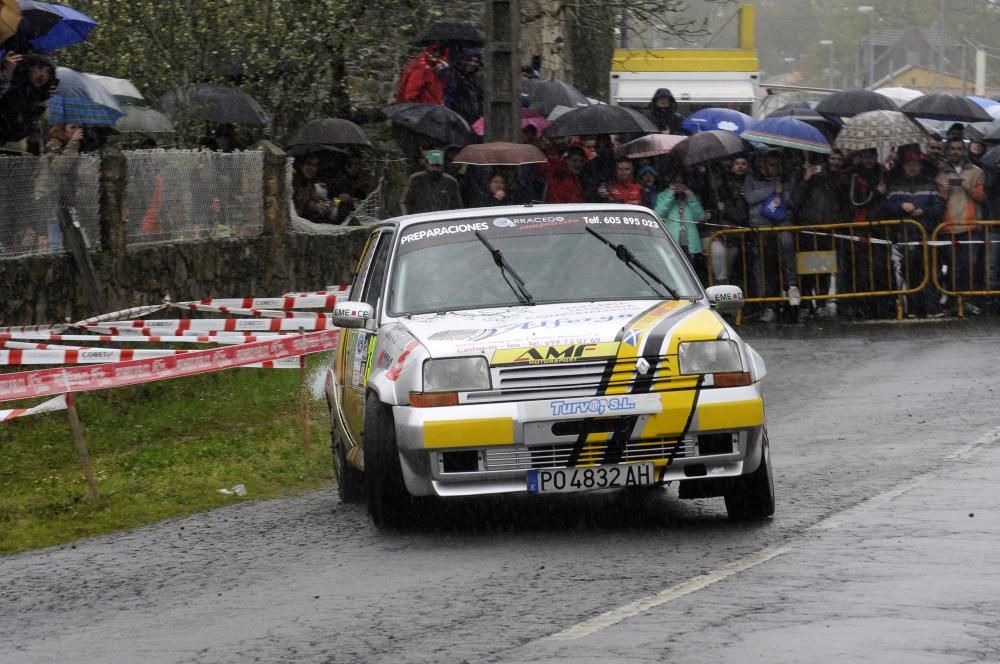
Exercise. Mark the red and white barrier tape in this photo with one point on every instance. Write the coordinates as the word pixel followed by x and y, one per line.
pixel 168 327
pixel 256 313
pixel 52 405
pixel 286 302
pixel 7 339
pixel 16 357
pixel 46 382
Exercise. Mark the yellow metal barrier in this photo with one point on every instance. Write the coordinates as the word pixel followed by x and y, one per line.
pixel 968 253
pixel 860 259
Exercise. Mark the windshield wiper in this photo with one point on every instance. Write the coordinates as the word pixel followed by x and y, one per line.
pixel 522 293
pixel 627 257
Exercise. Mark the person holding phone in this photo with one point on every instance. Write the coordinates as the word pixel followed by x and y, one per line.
pixel 962 184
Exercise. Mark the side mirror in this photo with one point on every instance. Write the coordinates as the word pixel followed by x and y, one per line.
pixel 725 298
pixel 352 314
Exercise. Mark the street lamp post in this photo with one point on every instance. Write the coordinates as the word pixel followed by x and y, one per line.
pixel 868 9
pixel 829 44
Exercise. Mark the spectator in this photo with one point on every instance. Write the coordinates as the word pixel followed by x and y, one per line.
pixel 649 180
pixel 976 151
pixel 431 189
pixel 961 184
pixel 425 77
pixel 309 194
pixel 599 172
pixel 563 184
pixel 464 93
pixel 768 197
pixel 496 193
pixel 732 211
pixel 32 82
pixel 64 139
pixel 914 195
pixel 624 189
pixel 663 112
pixel 681 211
pixel 935 161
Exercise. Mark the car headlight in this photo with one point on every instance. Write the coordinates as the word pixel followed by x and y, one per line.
pixel 709 357
pixel 456 374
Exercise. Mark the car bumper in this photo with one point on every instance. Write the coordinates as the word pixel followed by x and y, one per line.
pixel 482 449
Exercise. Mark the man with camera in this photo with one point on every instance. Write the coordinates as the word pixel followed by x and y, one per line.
pixel 961 183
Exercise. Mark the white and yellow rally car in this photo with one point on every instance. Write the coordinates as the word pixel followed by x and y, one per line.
pixel 541 349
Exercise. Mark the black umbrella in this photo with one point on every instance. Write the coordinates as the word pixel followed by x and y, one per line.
pixel 330 131
pixel 544 96
pixel 600 119
pixel 708 145
pixel 991 157
pixel 432 120
pixel 214 103
pixel 946 106
pixel 451 32
pixel 849 103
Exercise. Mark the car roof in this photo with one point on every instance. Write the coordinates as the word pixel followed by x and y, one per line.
pixel 509 210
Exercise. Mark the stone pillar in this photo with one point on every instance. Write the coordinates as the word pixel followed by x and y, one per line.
pixel 502 30
pixel 277 218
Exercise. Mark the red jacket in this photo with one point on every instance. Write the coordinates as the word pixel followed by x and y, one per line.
pixel 626 192
pixel 563 184
pixel 420 82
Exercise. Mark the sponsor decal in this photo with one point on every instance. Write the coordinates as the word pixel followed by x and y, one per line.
pixel 438 231
pixel 554 354
pixel 623 221
pixel 632 337
pixel 384 360
pixel 463 335
pixel 393 373
pixel 503 222
pixel 591 406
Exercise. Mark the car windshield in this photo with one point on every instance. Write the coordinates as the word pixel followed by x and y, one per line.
pixel 446 266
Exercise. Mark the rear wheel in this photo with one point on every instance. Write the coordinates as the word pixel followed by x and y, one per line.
pixel 388 499
pixel 350 481
pixel 752 496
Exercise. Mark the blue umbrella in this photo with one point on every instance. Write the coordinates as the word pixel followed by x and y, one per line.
pixel 788 132
pixel 47 27
pixel 82 100
pixel 708 119
pixel 983 101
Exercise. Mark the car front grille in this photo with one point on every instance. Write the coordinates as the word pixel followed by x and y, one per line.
pixel 559 455
pixel 576 379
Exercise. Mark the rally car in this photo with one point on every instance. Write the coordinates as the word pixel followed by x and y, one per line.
pixel 544 349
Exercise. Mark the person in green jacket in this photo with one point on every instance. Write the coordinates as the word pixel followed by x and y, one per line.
pixel 681 212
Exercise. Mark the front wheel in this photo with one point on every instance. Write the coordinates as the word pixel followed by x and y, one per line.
pixel 752 496
pixel 388 499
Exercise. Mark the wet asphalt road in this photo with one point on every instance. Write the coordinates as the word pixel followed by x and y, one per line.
pixel 853 412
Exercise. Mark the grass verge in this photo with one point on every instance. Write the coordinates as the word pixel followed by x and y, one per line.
pixel 159 450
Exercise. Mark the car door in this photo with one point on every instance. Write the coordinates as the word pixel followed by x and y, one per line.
pixel 358 345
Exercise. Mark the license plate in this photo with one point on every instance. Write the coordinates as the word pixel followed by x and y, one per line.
pixel 565 480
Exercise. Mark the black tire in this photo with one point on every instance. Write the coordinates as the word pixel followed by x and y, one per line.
pixel 388 499
pixel 350 481
pixel 752 496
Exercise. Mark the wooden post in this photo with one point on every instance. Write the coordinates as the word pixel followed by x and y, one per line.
pixel 304 396
pixel 81 447
pixel 502 103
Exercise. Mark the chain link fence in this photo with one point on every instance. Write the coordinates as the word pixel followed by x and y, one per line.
pixel 190 194
pixel 32 191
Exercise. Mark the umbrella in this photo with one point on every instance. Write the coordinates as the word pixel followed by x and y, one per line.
pixel 214 103
pixel 718 118
pixel 143 120
pixel 601 119
pixel 529 118
pixel 991 157
pixel 122 89
pixel 851 102
pixel 946 106
pixel 46 27
pixel 788 133
pixel 432 120
pixel 499 154
pixel 708 145
pixel 459 34
pixel 545 96
pixel 993 135
pixel 558 112
pixel 900 95
pixel 984 102
pixel 83 101
pixel 878 129
pixel 10 18
pixel 649 145
pixel 330 131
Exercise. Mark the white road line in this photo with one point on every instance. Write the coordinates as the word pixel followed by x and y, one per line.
pixel 639 606
pixel 644 604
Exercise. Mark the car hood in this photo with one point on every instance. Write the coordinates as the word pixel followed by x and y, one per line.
pixel 633 324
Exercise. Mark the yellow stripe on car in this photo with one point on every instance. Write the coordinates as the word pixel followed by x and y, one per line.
pixel 730 414
pixel 699 326
pixel 671 421
pixel 483 432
